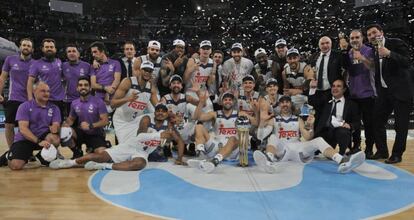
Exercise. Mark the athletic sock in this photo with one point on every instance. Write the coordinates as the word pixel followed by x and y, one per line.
pixel 108 166
pixel 337 158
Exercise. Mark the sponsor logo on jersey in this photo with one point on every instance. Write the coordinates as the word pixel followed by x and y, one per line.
pixel 287 134
pixel 137 105
pixel 200 79
pixel 151 143
pixel 227 131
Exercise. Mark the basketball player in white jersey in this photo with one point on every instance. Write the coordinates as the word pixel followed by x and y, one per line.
pixel 237 67
pixel 294 76
pixel 200 71
pixel 177 103
pixel 284 143
pixel 131 100
pixel 153 55
pixel 247 98
pixel 223 142
pixel 268 104
pixel 262 70
pixel 133 154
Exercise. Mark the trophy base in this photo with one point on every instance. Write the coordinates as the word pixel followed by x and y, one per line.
pixel 243 165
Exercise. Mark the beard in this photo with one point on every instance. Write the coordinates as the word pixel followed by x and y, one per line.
pixel 227 106
pixel 176 90
pixel 153 56
pixel 26 52
pixel 50 55
pixel 84 93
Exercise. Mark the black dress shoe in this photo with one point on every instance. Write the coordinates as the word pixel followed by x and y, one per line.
pixel 378 155
pixel 393 159
pixel 368 154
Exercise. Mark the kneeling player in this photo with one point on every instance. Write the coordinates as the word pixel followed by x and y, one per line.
pixel 132 154
pixel 285 145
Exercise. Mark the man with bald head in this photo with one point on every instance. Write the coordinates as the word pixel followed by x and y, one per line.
pixel 39 123
pixel 328 67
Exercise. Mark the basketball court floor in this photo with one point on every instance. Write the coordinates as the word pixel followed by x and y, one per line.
pixel 163 190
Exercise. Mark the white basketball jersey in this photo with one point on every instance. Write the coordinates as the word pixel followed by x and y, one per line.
pixel 131 110
pixel 295 79
pixel 225 126
pixel 157 65
pixel 201 75
pixel 267 74
pixel 287 129
pixel 179 106
pixel 274 106
pixel 244 102
pixel 149 145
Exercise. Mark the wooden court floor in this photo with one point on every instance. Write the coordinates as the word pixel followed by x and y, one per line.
pixel 42 193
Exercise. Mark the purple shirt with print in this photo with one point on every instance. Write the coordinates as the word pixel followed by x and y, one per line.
pixel 18 70
pixel 105 74
pixel 88 111
pixel 72 72
pixel 361 79
pixel 51 73
pixel 39 118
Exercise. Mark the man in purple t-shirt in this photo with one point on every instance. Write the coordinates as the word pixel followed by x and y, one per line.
pixel 359 62
pixel 106 78
pixel 73 69
pixel 92 117
pixel 17 67
pixel 39 124
pixel 49 70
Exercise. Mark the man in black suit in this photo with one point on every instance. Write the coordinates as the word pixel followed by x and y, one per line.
pixel 340 116
pixel 328 67
pixel 127 61
pixel 393 85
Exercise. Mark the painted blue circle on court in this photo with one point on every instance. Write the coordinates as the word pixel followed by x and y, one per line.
pixel 321 193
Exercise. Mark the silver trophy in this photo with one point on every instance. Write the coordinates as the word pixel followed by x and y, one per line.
pixel 243 127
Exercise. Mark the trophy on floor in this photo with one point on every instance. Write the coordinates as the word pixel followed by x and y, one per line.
pixel 243 127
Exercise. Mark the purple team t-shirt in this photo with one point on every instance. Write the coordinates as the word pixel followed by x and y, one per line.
pixel 88 111
pixel 105 74
pixel 39 118
pixel 51 73
pixel 18 70
pixel 72 72
pixel 361 79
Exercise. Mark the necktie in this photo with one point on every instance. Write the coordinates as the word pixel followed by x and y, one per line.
pixel 320 72
pixel 129 68
pixel 334 108
pixel 333 113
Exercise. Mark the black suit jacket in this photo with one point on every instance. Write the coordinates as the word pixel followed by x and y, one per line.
pixel 350 115
pixel 124 72
pixel 396 70
pixel 335 65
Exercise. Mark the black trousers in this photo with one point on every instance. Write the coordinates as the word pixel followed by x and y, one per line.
pixel 337 136
pixel 384 105
pixel 366 108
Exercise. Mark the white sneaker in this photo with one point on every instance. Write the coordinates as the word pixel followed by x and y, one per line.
pixel 263 162
pixel 203 165
pixel 92 165
pixel 60 164
pixel 354 161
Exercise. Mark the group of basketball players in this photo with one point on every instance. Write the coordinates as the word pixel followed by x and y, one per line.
pixel 161 102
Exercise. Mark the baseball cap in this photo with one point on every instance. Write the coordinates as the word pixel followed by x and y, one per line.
pixel 65 135
pixel 271 81
pixel 292 51
pixel 178 42
pixel 154 44
pixel 280 42
pixel 237 46
pixel 248 78
pixel 49 154
pixel 176 77
pixel 259 51
pixel 285 98
pixel 227 95
pixel 147 65
pixel 205 43
pixel 161 106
